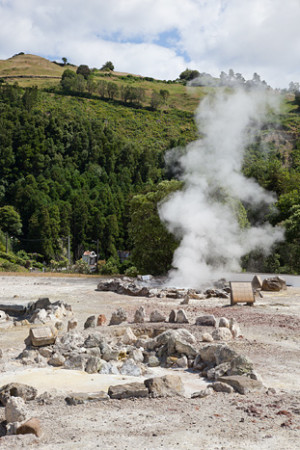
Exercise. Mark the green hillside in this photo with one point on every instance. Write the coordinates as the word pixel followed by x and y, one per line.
pixel 82 156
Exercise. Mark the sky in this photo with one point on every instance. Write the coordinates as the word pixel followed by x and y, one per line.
pixel 160 38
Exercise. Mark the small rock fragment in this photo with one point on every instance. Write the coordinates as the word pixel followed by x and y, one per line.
pixel 90 322
pixel 139 316
pixel 31 426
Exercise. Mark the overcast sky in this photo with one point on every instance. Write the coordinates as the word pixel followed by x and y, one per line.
pixel 160 38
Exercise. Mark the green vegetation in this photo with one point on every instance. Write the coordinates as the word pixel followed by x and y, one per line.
pixel 82 155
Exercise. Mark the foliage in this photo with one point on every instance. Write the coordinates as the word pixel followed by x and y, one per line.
pixel 131 271
pixel 81 267
pixel 107 66
pixel 189 74
pixel 10 220
pixel 110 267
pixel 83 70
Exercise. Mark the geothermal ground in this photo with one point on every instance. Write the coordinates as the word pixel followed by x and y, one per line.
pixel 266 420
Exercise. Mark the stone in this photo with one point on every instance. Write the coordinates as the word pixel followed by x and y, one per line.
pixel 222 387
pixel 207 337
pixel 139 316
pixel 207 354
pixel 128 390
pixel 218 371
pixel 79 398
pixel 42 303
pixel 157 316
pixel 39 316
pixel 90 322
pixel 222 334
pixel 242 384
pixel 235 330
pixel 31 426
pixel 206 321
pixel 57 360
pixel 172 316
pixel 118 317
pixel 15 410
pixel 101 320
pixel 167 386
pixel 107 368
pixel 123 287
pixel 23 391
pixel 94 340
pixel 201 394
pixel 224 323
pixel 42 336
pixel 273 284
pixel 181 317
pixel 2 316
pixel 72 324
pixel 109 353
pixel 59 325
pixel 93 364
pixel 137 355
pixel 153 361
pixel 224 353
pixel 184 348
pixel 76 362
pixel 241 365
pixel 130 368
pixel 256 282
pixel 186 300
pixel 182 362
pixel 129 337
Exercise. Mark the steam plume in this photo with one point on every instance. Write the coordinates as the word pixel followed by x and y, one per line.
pixel 201 215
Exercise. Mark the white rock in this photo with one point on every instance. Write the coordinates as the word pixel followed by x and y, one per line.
pixel 181 317
pixel 235 330
pixel 224 323
pixel 207 337
pixel 222 334
pixel 129 337
pixel 15 410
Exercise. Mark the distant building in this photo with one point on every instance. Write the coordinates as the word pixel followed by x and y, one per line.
pixel 90 258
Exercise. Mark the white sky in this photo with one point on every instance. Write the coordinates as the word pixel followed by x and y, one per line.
pixel 160 38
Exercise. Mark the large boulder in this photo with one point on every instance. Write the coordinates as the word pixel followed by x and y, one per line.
pixel 128 391
pixel 242 384
pixel 273 284
pixel 222 334
pixel 15 410
pixel 206 321
pixel 42 336
pixel 167 386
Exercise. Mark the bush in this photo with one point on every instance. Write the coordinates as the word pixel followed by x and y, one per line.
pixel 111 267
pixel 81 267
pixel 131 271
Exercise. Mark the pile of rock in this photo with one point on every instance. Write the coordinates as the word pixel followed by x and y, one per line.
pixel 14 398
pixel 225 329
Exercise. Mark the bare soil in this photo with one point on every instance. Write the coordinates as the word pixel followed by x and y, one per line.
pixel 268 420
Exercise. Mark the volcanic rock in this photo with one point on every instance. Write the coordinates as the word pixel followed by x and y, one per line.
pixel 118 317
pixel 31 426
pixel 242 384
pixel 206 321
pixel 157 316
pixel 90 322
pixel 24 391
pixel 128 391
pixel 181 317
pixel 139 316
pixel 15 410
pixel 273 284
pixel 167 386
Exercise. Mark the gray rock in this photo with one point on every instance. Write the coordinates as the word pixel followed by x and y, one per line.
pixel 76 362
pixel 201 394
pixel 242 384
pixel 218 371
pixel 139 316
pixel 224 353
pixel 129 390
pixel 157 316
pixel 79 398
pixel 172 316
pixel 181 317
pixel 118 317
pixel 90 322
pixel 109 353
pixel 182 362
pixel 273 284
pixel 129 337
pixel 153 361
pixel 167 386
pixel 207 337
pixel 222 387
pixel 130 368
pixel 24 391
pixel 15 410
pixel 94 340
pixel 137 355
pixel 185 349
pixel 107 368
pixel 206 321
pixel 46 352
pixel 57 360
pixel 93 364
pixel 223 322
pixel 222 334
pixel 241 365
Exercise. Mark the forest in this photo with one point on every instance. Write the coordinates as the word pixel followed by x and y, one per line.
pixel 82 164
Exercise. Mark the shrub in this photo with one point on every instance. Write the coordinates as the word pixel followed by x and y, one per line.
pixel 131 271
pixel 110 267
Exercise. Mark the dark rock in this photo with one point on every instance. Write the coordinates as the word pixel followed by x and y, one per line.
pixel 206 321
pixel 242 384
pixel 128 391
pixel 90 322
pixel 172 316
pixel 31 426
pixel 17 390
pixel 273 284
pixel 118 317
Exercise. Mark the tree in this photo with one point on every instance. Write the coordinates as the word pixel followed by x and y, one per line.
pixel 83 70
pixel 189 74
pixel 68 80
pixel 10 220
pixel 164 93
pixel 112 90
pixel 107 66
pixel 153 245
pixel 64 60
pixel 155 100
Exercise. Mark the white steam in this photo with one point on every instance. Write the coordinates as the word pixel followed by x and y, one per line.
pixel 212 242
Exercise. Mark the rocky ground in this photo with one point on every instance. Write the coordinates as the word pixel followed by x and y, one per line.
pixel 270 337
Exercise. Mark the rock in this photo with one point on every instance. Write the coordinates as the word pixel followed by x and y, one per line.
pixel 23 391
pixel 207 337
pixel 137 355
pixel 222 334
pixel 181 317
pixel 172 316
pixel 118 317
pixel 218 371
pixel 128 391
pixel 101 320
pixel 222 387
pixel 129 337
pixel 31 426
pixel 167 386
pixel 107 368
pixel 123 287
pixel 79 398
pixel 184 348
pixel 39 316
pixel 59 325
pixel 94 351
pixel 185 300
pixel 241 365
pixel 2 316
pixel 90 322
pixel 76 361
pixel 15 410
pixel 223 353
pixel 273 284
pixel 42 336
pixel 41 303
pixel 235 329
pixel 207 354
pixel 93 364
pixel 153 361
pixel 130 368
pixel 57 360
pixel 94 340
pixel 139 316
pixel 242 384
pixel 109 353
pixel 157 316
pixel 72 324
pixel 224 323
pixel 182 362
pixel 206 321
pixel 201 394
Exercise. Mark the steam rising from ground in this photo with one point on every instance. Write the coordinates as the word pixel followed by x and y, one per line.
pixel 202 214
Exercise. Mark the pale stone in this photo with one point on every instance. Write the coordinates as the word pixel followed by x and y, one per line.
pixel 128 391
pixel 15 410
pixel 201 394
pixel 42 336
pixel 129 337
pixel 167 386
pixel 224 323
pixel 207 337
pixel 242 384
pixel 57 360
pixel 222 387
pixel 181 317
pixel 72 324
pixel 157 316
pixel 222 334
pixel 139 316
pixel 118 317
pixel 130 368
pixel 182 362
